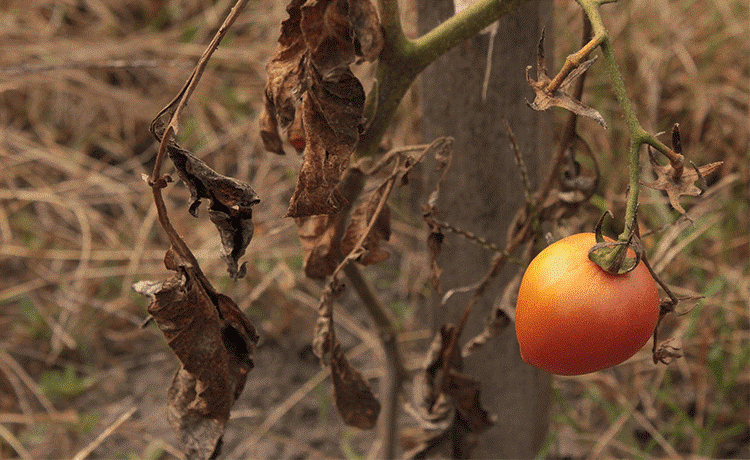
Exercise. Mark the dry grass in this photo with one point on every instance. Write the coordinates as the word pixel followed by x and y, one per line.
pixel 81 80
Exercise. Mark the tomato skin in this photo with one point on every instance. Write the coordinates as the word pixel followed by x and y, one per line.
pixel 573 318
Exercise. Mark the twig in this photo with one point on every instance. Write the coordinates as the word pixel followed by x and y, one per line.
pixel 180 101
pixel 521 164
pixel 86 451
pixel 569 131
pixel 403 59
pixel 28 381
pixel 394 372
pixel 174 109
pixel 14 443
pixel 481 241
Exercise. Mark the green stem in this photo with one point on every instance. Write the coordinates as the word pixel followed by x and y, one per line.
pixel 638 135
pixel 403 59
pixel 458 28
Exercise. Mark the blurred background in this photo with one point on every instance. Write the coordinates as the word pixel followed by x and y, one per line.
pixel 80 81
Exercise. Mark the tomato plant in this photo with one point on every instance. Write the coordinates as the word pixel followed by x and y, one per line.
pixel 573 318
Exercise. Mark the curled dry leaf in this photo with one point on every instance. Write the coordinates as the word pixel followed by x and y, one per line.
pixel 230 204
pixel 285 80
pixel 435 245
pixel 678 186
pixel 321 250
pixel 313 95
pixel 317 235
pixel 326 156
pixel 230 200
pixel 354 399
pixel 443 156
pixel 443 393
pixel 360 221
pixel 214 342
pixel 560 97
pixel 502 315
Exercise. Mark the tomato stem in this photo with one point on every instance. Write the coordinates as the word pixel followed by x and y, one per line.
pixel 638 135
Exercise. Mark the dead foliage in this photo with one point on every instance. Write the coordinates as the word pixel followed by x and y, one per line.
pixel 446 403
pixel 214 342
pixel 314 96
pixel 560 97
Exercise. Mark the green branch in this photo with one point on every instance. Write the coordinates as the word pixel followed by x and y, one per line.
pixel 403 59
pixel 638 135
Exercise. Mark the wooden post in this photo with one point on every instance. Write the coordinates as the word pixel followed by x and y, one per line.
pixel 481 194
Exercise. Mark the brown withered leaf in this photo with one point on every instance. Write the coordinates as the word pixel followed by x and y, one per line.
pixel 367 33
pixel 285 83
pixel 684 185
pixel 435 244
pixel 340 102
pixel 446 402
pixel 355 402
pixel 337 31
pixel 296 133
pixel 214 342
pixel 313 95
pixel 269 128
pixel 464 392
pixel 560 97
pixel 325 158
pixel 328 36
pixel 360 220
pixel 230 200
pixel 230 204
pixel 323 338
pixel 321 250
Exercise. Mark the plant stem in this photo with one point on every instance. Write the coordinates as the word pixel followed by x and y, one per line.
pixel 460 27
pixel 403 59
pixel 394 370
pixel 638 135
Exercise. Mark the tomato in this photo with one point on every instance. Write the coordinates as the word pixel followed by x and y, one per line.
pixel 573 318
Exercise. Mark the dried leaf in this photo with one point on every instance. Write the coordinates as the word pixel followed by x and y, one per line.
pixel 464 392
pixel 367 33
pixel 214 342
pixel 447 401
pixel 312 93
pixel 285 80
pixel 230 204
pixel 325 158
pixel 323 338
pixel 200 435
pixel 296 133
pixel 269 129
pixel 328 36
pixel 683 185
pixel 444 157
pixel 360 221
pixel 321 250
pixel 352 394
pixel 560 97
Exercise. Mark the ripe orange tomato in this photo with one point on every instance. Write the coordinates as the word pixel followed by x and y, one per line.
pixel 573 318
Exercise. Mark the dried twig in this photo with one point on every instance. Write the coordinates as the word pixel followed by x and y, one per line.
pixel 14 443
pixel 86 451
pixel 156 180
